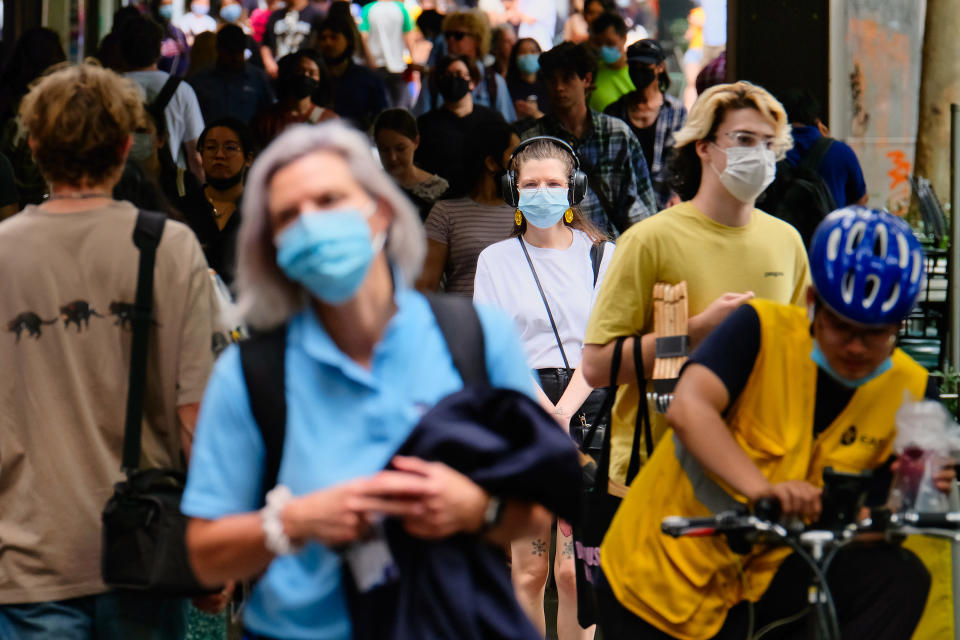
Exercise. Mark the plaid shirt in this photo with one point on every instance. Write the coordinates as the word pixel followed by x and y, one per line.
pixel 611 156
pixel 671 119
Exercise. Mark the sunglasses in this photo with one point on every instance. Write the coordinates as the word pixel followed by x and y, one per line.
pixel 456 35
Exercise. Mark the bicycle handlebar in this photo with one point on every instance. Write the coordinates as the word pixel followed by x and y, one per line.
pixel 766 519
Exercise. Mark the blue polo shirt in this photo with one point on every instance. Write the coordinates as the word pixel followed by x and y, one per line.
pixel 839 168
pixel 343 422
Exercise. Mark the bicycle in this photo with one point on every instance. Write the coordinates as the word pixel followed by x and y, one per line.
pixel 816 546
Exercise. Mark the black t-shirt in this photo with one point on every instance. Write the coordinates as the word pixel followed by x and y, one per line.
pixel 647 138
pixel 285 36
pixel 359 95
pixel 8 184
pixel 730 352
pixel 442 139
pixel 219 245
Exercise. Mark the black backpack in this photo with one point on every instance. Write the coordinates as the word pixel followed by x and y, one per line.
pixel 262 361
pixel 799 195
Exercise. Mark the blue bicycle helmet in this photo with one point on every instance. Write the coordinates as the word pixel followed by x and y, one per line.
pixel 867 265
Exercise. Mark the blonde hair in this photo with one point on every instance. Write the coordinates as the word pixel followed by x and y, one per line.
pixel 474 22
pixel 266 297
pixel 705 118
pixel 79 119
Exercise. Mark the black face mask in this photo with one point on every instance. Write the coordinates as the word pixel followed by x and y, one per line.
pixel 452 88
pixel 222 184
pixel 302 86
pixel 641 76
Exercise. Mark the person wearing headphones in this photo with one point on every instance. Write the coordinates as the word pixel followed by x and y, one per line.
pixel 545 276
pixel 773 396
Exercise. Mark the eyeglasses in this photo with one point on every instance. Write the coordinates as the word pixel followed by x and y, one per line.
pixel 750 139
pixel 456 35
pixel 229 148
pixel 845 332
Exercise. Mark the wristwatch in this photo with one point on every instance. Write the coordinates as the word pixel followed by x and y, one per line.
pixel 493 514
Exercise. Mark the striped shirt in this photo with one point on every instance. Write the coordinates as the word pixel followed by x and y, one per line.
pixel 467 228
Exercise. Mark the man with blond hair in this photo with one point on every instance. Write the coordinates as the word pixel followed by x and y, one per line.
pixel 716 240
pixel 70 276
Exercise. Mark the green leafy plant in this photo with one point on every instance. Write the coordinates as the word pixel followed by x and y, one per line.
pixel 949 383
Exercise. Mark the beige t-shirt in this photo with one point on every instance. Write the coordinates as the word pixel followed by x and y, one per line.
pixel 65 347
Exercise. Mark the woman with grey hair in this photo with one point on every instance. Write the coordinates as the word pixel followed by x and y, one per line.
pixel 327 249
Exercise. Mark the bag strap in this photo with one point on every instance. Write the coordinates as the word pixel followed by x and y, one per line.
pixel 816 154
pixel 159 104
pixel 460 325
pixel 603 464
pixel 553 324
pixel 146 236
pixel 596 257
pixel 643 416
pixel 262 359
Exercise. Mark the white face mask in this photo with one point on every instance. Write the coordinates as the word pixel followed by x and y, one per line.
pixel 749 171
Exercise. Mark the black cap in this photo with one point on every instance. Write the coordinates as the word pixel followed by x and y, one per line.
pixel 646 51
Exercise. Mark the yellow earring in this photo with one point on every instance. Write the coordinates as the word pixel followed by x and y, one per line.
pixel 568 216
pixel 518 218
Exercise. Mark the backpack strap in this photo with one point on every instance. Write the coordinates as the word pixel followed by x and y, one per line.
pixel 596 257
pixel 159 104
pixel 816 154
pixel 460 325
pixel 146 236
pixel 262 360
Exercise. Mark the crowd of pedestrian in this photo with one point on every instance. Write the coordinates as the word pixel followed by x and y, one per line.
pixel 382 458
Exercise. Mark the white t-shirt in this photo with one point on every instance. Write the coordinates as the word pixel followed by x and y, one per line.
pixel 385 22
pixel 183 115
pixel 191 24
pixel 544 29
pixel 715 22
pixel 504 280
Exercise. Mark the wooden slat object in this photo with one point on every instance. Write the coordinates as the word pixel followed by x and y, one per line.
pixel 670 316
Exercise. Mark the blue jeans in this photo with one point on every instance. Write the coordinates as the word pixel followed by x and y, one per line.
pixel 108 616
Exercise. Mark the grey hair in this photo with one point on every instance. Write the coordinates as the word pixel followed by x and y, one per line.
pixel 266 297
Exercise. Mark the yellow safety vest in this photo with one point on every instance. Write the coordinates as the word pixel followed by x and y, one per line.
pixel 686 586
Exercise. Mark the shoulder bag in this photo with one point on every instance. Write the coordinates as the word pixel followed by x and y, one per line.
pixel 144 532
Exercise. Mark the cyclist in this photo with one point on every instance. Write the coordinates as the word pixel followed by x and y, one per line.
pixel 769 399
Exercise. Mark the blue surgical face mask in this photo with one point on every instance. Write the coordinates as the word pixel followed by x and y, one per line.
pixel 820 359
pixel 528 62
pixel 543 208
pixel 329 253
pixel 231 12
pixel 200 9
pixel 165 11
pixel 610 55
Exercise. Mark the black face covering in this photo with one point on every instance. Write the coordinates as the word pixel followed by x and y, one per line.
pixel 302 86
pixel 641 76
pixel 222 184
pixel 452 88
